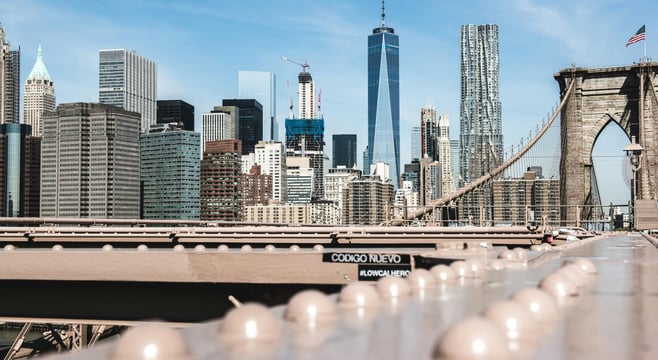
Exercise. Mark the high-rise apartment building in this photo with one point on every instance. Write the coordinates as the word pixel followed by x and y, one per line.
pixel 335 182
pixel 520 201
pixel 367 200
pixel 406 200
pixel 129 80
pixel 221 181
pixel 430 181
pixel 261 85
pixel 416 142
pixel 270 155
pixel 176 111
pixel 384 99
pixel 412 173
pixel 344 150
pixel 256 186
pixel 90 162
pixel 222 123
pixel 299 176
pixel 170 173
pixel 250 117
pixel 445 156
pixel 278 214
pixel 10 75
pixel 480 120
pixel 455 156
pixel 38 96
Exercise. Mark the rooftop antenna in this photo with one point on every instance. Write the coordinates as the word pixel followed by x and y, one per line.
pixel 383 15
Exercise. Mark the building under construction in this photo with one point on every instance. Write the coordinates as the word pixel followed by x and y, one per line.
pixel 305 137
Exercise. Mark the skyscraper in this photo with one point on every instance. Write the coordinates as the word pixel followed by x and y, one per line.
pixel 129 80
pixel 177 111
pixel 416 142
pixel 429 133
pixel 306 91
pixel 31 175
pixel 10 74
pixel 481 138
pixel 455 156
pixel 344 150
pixel 250 117
pixel 170 173
pixel 384 99
pixel 85 172
pixel 222 123
pixel 305 135
pixel 270 155
pixel 39 95
pixel 445 156
pixel 261 85
pixel 299 175
pixel 15 170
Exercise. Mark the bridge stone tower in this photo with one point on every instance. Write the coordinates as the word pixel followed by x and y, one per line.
pixel 623 95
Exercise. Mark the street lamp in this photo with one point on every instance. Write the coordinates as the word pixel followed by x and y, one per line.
pixel 634 152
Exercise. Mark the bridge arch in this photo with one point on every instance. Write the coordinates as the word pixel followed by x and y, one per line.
pixel 624 95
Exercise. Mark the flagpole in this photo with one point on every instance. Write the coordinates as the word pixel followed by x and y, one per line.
pixel 645 45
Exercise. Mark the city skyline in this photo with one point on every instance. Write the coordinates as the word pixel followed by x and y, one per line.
pixel 332 39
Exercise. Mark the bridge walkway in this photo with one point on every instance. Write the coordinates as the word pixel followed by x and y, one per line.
pixel 614 317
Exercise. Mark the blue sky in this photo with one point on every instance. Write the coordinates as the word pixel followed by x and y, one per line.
pixel 200 46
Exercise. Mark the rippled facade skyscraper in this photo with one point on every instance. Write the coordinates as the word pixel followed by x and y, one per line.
pixel 480 131
pixel 384 99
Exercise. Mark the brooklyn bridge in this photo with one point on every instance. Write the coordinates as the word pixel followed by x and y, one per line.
pixel 465 254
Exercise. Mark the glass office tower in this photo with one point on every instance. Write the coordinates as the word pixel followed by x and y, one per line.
pixel 261 85
pixel 384 99
pixel 250 118
pixel 170 173
pixel 344 150
pixel 13 141
pixel 177 111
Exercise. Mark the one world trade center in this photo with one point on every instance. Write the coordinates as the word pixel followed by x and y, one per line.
pixel 384 99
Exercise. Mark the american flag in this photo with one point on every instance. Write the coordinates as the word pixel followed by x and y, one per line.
pixel 638 36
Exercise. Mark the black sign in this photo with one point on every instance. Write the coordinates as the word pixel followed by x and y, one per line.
pixel 366 258
pixel 368 272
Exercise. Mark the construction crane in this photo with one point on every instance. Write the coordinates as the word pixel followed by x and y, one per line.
pixel 320 103
pixel 304 66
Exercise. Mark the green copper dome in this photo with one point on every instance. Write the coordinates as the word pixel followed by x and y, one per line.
pixel 39 71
